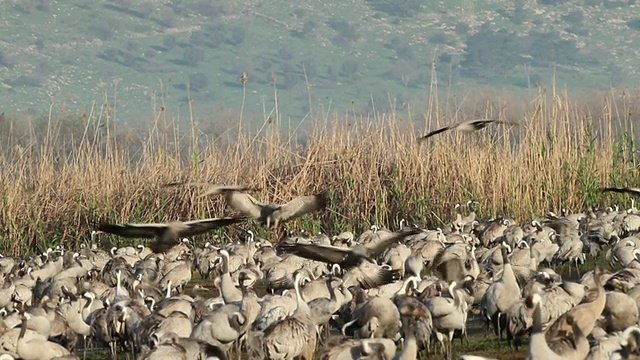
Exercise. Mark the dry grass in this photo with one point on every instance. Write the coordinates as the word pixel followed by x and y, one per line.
pixel 61 175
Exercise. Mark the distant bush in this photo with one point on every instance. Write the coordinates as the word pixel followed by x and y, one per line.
pixel 216 34
pixel 198 81
pixel 299 12
pixel 402 49
pixel 169 41
pixel 307 30
pixel 131 45
pixel 535 80
pixel 575 17
pixel 168 17
pixel 634 23
pixel 133 61
pixel 608 4
pixel 462 28
pixel 6 60
pixel 192 55
pixel 344 29
pixel 44 5
pixel 310 67
pixel 26 6
pixel 439 38
pixel 150 53
pixel 106 27
pixel 548 47
pixel 401 8
pixel 26 80
pixel 490 52
pixel 290 80
pixel 238 34
pixel 445 58
pixel 123 4
pixel 44 68
pixel 39 43
pixel 179 8
pixel 109 54
pixel 551 2
pixel 287 67
pixel 197 38
pixel 340 41
pixel 519 12
pixel 285 53
pixel 617 75
pixel 349 67
pixel 265 64
pixel 147 8
pixel 210 8
pixel 332 74
pixel 578 30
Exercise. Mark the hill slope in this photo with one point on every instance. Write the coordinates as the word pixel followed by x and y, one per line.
pixel 360 56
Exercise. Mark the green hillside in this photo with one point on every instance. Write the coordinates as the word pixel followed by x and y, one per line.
pixel 356 56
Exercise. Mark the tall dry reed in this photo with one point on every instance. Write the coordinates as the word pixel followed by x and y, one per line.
pixel 64 174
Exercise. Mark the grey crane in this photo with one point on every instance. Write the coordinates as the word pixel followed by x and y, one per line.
pixel 345 257
pixel 269 214
pixel 467 126
pixel 167 235
pixel 622 190
pixel 538 347
pixel 500 295
pixel 448 315
pixel 294 335
pixel 358 261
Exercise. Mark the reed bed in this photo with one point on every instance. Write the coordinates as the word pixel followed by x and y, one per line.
pixel 63 174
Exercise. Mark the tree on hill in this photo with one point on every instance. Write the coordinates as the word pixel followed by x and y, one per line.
pixel 491 52
pixel 401 8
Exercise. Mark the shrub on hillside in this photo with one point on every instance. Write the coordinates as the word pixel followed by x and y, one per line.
pixel 634 23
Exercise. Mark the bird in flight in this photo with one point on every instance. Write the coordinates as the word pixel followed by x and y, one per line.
pixel 238 199
pixel 625 190
pixel 346 257
pixel 358 261
pixel 168 235
pixel 467 126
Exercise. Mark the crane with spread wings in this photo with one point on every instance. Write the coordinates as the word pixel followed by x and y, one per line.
pixel 467 126
pixel 269 214
pixel 359 260
pixel 168 235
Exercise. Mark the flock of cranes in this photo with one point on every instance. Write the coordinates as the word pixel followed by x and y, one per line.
pixel 385 294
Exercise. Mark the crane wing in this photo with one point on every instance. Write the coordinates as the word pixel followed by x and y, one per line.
pixel 370 276
pixel 300 206
pixel 245 204
pixel 564 334
pixel 165 241
pixel 479 124
pixel 221 189
pixel 133 230
pixel 378 247
pixel 196 227
pixel 324 253
pixel 562 226
pixel 212 189
pixel 626 190
pixel 469 126
pixel 434 132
